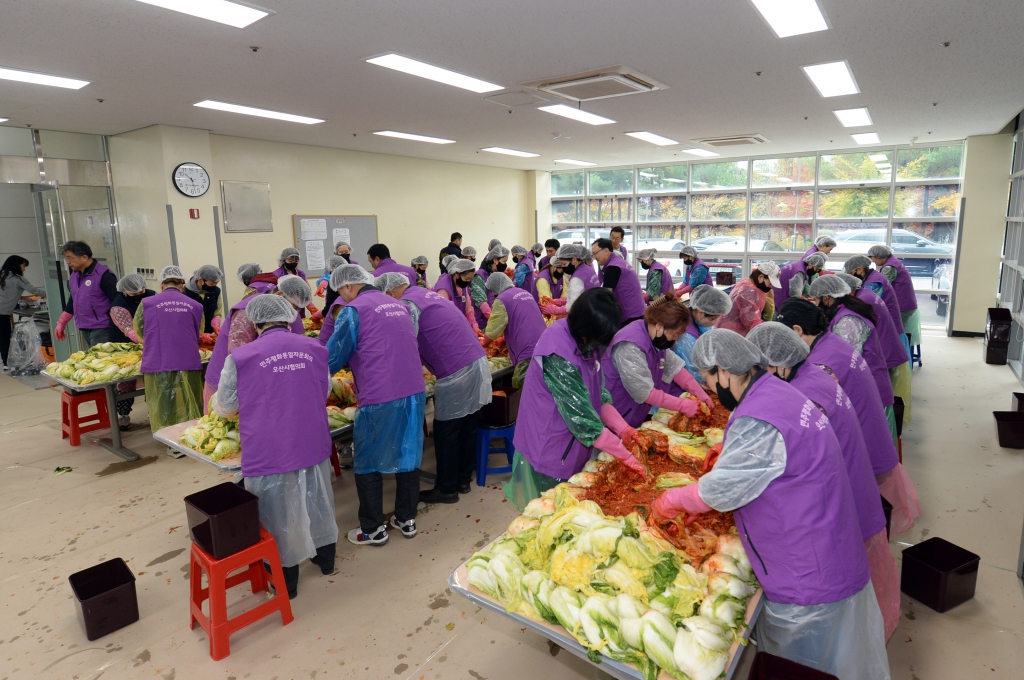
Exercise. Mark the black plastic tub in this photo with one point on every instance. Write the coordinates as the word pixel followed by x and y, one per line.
pixel 1010 427
pixel 1017 402
pixel 996 355
pixel 939 574
pixel 503 410
pixel 770 667
pixel 898 409
pixel 105 597
pixel 997 326
pixel 223 519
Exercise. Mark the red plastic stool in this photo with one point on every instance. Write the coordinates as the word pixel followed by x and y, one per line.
pixel 73 425
pixel 335 462
pixel 218 574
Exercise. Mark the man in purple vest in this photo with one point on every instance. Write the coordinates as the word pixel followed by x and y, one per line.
pixel 525 272
pixel 286 440
pixel 551 247
pixel 92 287
pixel 516 317
pixel 449 349
pixel 169 324
pixel 616 275
pixel 375 336
pixel 617 235
pixel 380 259
pixel 781 472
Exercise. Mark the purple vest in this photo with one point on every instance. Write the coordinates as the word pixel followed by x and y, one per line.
pixel 801 534
pixel 586 273
pixel 666 278
pixel 888 297
pixel 296 325
pixel 262 287
pixel 698 263
pixel 389 265
pixel 624 253
pixel 840 359
pixel 820 388
pixel 787 272
pixel 220 347
pixel 172 322
pixel 525 323
pixel 327 329
pixel 444 282
pixel 282 385
pixel 636 333
pixel 693 329
pixel 92 308
pixel 530 282
pixel 903 285
pixel 541 434
pixel 386 364
pixel 446 343
pixel 892 347
pixel 812 249
pixel 556 286
pixel 627 290
pixel 873 355
pixel 281 271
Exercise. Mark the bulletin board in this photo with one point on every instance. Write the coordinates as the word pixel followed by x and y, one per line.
pixel 315 236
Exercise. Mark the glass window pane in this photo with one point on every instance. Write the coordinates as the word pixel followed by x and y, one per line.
pixel 780 238
pixel 933 308
pixel 661 209
pixel 847 168
pixel 853 237
pixel 860 202
pixel 766 205
pixel 668 237
pixel 939 233
pixel 567 184
pixel 929 273
pixel 787 172
pixel 567 211
pixel 715 265
pixel 718 237
pixel 936 162
pixel 611 182
pixel 718 207
pixel 674 266
pixel 729 175
pixel 929 200
pixel 574 235
pixel 610 209
pixel 667 178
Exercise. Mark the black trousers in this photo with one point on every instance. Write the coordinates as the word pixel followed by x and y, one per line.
pixel 455 450
pixel 370 489
pixel 324 559
pixel 6 329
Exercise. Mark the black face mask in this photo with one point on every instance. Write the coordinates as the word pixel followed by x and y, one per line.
pixel 500 267
pixel 517 259
pixel 290 266
pixel 764 286
pixel 345 256
pixel 689 263
pixel 569 269
pixel 661 342
pixel 645 265
pixel 729 402
pixel 209 289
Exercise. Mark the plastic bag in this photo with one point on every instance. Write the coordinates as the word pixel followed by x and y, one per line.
pixel 26 354
pixel 173 397
pixel 897 488
pixel 463 392
pixel 885 580
pixel 388 437
pixel 526 483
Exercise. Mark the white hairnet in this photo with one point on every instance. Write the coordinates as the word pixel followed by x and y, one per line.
pixel 538 247
pixel 469 251
pixel 688 250
pixel 856 262
pixel 133 283
pixel 350 274
pixel 247 271
pixel 498 283
pixel 571 250
pixel 646 254
pixel 269 309
pixel 852 281
pixel 420 259
pixel 448 259
pixel 342 243
pixel 208 272
pixel 492 244
pixel 710 300
pixel 825 242
pixel 832 286
pixel 880 251
pixel 335 261
pixel 285 254
pixel 555 262
pixel 816 260
pixel 518 250
pixel 722 348
pixel 496 253
pixel 460 265
pixel 295 290
pixel 779 343
pixel 391 280
pixel 171 272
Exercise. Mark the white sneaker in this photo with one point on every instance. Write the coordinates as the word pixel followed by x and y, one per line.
pixel 378 538
pixel 408 527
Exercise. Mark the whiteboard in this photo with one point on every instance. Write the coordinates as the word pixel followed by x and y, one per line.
pixel 315 236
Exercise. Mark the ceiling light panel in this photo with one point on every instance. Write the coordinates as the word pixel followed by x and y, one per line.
pixel 252 111
pixel 703 153
pixel 414 138
pixel 833 79
pixel 570 161
pixel 4 120
pixel 791 17
pixel 854 117
pixel 652 138
pixel 510 152
pixel 867 138
pixel 441 75
pixel 41 79
pixel 221 11
pixel 577 114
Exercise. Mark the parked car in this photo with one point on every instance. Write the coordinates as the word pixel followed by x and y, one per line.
pixel 942 279
pixel 731 244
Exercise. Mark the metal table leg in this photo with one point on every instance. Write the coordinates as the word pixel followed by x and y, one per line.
pixel 114 443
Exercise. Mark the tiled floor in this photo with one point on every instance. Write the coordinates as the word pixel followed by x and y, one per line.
pixel 386 612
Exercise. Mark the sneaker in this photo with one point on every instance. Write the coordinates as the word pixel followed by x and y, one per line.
pixel 124 422
pixel 345 457
pixel 465 488
pixel 435 495
pixel 408 527
pixel 174 453
pixel 379 537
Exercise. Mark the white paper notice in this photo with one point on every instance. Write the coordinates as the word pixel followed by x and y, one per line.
pixel 315 255
pixel 313 230
pixel 342 234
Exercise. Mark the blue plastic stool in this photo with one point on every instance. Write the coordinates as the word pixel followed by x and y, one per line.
pixel 484 436
pixel 915 355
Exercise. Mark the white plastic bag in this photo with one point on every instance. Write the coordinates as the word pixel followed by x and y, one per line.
pixel 26 354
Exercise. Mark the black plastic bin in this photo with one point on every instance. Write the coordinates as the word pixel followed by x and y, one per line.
pixel 1010 427
pixel 503 410
pixel 1017 402
pixel 997 326
pixel 995 354
pixel 105 597
pixel 939 574
pixel 770 667
pixel 223 519
pixel 898 409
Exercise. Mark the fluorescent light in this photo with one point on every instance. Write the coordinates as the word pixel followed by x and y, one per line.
pixel 853 117
pixel 833 79
pixel 879 158
pixel 511 152
pixel 569 161
pixel 703 153
pixel 414 138
pixel 576 114
pixel 221 11
pixel 251 111
pixel 867 138
pixel 41 79
pixel 435 73
pixel 791 17
pixel 4 120
pixel 652 138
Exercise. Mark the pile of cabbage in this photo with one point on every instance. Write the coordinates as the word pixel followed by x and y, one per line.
pixel 619 588
pixel 343 389
pixel 498 363
pixel 205 354
pixel 105 362
pixel 214 436
pixel 340 417
pixel 429 381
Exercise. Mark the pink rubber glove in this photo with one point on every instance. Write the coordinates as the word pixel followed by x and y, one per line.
pixel 553 310
pixel 215 322
pixel 647 298
pixel 206 338
pixel 312 308
pixel 690 384
pixel 61 325
pixel 134 338
pixel 317 315
pixel 612 445
pixel 675 502
pixel 486 309
pixel 321 289
pixel 688 407
pixel 612 420
pixel 559 302
pixel 683 289
pixel 485 340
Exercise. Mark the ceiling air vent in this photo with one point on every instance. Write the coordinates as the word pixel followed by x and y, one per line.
pixel 614 81
pixel 735 140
